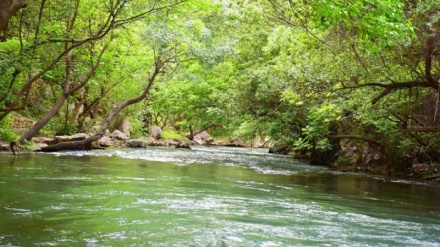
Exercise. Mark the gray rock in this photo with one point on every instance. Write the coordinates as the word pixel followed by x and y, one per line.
pixel 203 136
pixel 155 132
pixel 182 145
pixel 45 140
pixel 124 127
pixel 136 143
pixel 119 135
pixel 105 141
pixel 75 137
pixel 107 133
pixel 170 142
pixel 153 142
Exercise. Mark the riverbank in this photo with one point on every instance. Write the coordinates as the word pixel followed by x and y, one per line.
pixel 348 159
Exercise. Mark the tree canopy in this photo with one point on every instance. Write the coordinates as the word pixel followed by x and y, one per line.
pixel 313 77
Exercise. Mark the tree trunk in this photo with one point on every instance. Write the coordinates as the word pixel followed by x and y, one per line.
pixel 43 121
pixel 66 93
pixel 86 144
pixel 54 110
pixel 75 113
pixel 8 8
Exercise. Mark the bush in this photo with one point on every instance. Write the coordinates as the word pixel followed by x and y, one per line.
pixel 171 133
pixel 6 133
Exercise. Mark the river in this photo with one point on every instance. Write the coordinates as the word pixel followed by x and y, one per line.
pixel 205 197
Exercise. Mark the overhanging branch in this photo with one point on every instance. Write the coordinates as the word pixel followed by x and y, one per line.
pixel 424 128
pixel 389 88
pixel 356 137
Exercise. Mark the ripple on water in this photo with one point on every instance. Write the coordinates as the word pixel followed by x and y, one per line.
pixel 19 211
pixel 271 164
pixel 175 206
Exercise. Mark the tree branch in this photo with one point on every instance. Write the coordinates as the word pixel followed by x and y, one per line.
pixel 424 128
pixel 356 137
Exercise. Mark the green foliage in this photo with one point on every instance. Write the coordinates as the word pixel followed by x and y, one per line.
pixel 137 127
pixel 379 23
pixel 6 133
pixel 309 71
pixel 171 133
pixel 57 126
pixel 10 47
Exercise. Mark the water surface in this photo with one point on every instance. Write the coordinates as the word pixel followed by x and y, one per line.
pixel 205 197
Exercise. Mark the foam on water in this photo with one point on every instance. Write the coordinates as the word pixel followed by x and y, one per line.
pixel 205 197
pixel 257 159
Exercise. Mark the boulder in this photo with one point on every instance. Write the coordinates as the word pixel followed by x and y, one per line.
pixel 20 122
pixel 171 142
pixel 119 135
pixel 181 144
pixel 124 127
pixel 4 147
pixel 119 143
pixel 153 142
pixel 135 143
pixel 107 133
pixel 75 137
pixel 203 136
pixel 41 145
pixel 198 141
pixel 155 132
pixel 45 140
pixel 105 141
pixel 229 143
pixel 358 156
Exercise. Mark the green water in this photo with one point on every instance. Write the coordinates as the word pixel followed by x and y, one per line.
pixel 207 197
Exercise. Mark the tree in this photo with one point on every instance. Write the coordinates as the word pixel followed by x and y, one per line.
pixel 86 143
pixel 377 52
pixel 108 17
pixel 8 8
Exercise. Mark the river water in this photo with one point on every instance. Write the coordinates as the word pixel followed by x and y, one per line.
pixel 205 197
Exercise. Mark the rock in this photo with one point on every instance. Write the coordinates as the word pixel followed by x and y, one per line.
pixel 20 122
pixel 75 137
pixel 135 143
pixel 4 147
pixel 41 145
pixel 155 132
pixel 181 145
pixel 105 141
pixel 153 142
pixel 202 138
pixel 119 143
pixel 45 140
pixel 119 135
pixel 171 142
pixel 266 143
pixel 96 145
pixel 124 127
pixel 198 141
pixel 107 133
pixel 236 143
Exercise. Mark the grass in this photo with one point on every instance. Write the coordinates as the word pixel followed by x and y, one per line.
pixel 171 133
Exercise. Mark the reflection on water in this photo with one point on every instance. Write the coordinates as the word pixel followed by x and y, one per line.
pixel 205 197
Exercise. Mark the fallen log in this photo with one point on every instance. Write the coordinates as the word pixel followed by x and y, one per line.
pixel 85 144
pixel 432 177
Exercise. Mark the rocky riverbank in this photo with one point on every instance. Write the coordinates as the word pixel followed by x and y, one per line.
pixel 351 158
pixel 119 139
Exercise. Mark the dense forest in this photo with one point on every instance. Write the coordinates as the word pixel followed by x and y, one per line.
pixel 351 84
